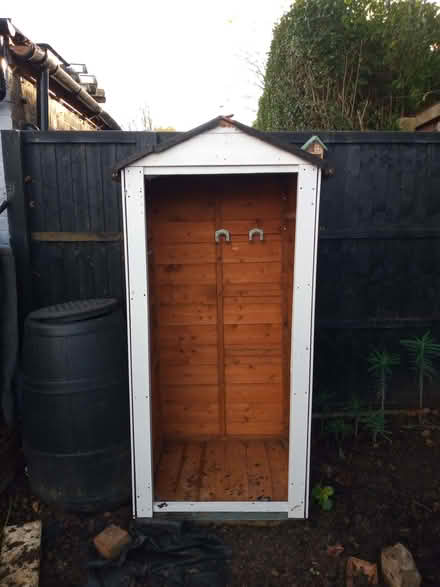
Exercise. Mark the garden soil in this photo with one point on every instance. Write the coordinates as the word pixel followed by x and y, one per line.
pixel 384 494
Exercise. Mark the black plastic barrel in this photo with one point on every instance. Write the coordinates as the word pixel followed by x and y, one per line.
pixel 75 408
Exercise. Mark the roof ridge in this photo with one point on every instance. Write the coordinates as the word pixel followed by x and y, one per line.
pixel 211 124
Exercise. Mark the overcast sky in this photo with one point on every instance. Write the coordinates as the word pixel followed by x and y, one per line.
pixel 189 61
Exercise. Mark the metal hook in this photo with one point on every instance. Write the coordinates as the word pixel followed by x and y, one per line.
pixel 254 231
pixel 222 232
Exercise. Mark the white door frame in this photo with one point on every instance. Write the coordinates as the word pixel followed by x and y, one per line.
pixel 138 324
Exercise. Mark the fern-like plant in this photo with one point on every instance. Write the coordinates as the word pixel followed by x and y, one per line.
pixel 339 428
pixel 381 365
pixel 422 353
pixel 355 408
pixel 322 402
pixel 374 422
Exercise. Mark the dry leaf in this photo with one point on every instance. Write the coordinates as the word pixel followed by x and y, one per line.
pixel 335 549
pixel 36 506
pixel 357 566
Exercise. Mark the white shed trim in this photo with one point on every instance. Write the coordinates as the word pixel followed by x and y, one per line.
pixel 221 506
pixel 232 147
pixel 221 151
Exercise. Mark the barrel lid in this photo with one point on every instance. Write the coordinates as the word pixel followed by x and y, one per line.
pixel 75 311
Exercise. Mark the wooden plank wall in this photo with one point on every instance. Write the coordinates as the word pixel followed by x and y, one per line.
pixel 74 212
pixel 75 218
pixel 222 343
pixel 379 249
pixel 379 253
pixel 253 274
pixel 184 283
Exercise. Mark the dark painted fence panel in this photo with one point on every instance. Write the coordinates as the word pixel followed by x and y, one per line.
pixel 379 252
pixel 378 277
pixel 69 189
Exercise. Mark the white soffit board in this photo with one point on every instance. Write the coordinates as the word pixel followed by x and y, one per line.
pixel 220 147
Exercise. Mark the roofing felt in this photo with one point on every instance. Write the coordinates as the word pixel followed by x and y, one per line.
pixel 211 124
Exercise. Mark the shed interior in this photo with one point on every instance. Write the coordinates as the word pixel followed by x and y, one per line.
pixel 220 315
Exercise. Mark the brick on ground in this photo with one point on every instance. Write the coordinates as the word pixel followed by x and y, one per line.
pixel 110 542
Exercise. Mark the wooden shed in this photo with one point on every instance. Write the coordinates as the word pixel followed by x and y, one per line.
pixel 220 231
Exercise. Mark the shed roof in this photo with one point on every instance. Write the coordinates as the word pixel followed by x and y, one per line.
pixel 211 124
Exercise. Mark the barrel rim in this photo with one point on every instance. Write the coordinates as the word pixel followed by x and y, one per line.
pixel 74 311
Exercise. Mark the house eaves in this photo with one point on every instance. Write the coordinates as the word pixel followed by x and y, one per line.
pixel 30 59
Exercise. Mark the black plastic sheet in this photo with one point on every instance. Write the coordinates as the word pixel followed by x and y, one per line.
pixel 165 553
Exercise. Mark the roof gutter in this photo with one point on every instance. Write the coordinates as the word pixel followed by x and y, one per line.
pixel 35 56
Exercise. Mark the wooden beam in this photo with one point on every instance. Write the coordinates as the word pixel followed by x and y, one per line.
pixel 397 412
pixel 388 233
pixel 76 237
pixel 114 137
pixel 379 323
pixel 428 115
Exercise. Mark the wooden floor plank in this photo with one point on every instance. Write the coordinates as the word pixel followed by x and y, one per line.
pixel 211 482
pixel 278 463
pixel 223 470
pixel 235 473
pixel 168 471
pixel 188 486
pixel 259 479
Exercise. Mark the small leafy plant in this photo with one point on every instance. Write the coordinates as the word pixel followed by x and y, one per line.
pixel 381 365
pixel 374 422
pixel 355 407
pixel 322 402
pixel 339 428
pixel 422 353
pixel 321 494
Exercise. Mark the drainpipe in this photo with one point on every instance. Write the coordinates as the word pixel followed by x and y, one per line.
pixel 43 100
pixel 35 56
pixel 3 84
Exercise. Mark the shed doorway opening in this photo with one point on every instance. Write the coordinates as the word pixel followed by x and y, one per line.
pixel 220 263
pixel 220 241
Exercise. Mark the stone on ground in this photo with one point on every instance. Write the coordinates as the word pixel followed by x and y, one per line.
pixel 399 568
pixel 110 542
pixel 356 567
pixel 20 555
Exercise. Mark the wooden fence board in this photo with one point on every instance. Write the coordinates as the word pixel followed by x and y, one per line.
pixel 378 257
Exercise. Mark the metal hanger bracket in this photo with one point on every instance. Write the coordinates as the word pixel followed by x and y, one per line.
pixel 254 231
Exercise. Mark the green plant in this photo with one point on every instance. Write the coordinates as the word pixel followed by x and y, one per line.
pixel 381 364
pixel 422 352
pixel 343 65
pixel 322 402
pixel 321 494
pixel 339 428
pixel 355 408
pixel 374 422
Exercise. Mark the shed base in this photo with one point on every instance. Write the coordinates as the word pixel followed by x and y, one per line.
pixel 223 470
pixel 268 518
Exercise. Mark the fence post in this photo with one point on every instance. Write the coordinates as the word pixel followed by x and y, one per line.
pixel 11 153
